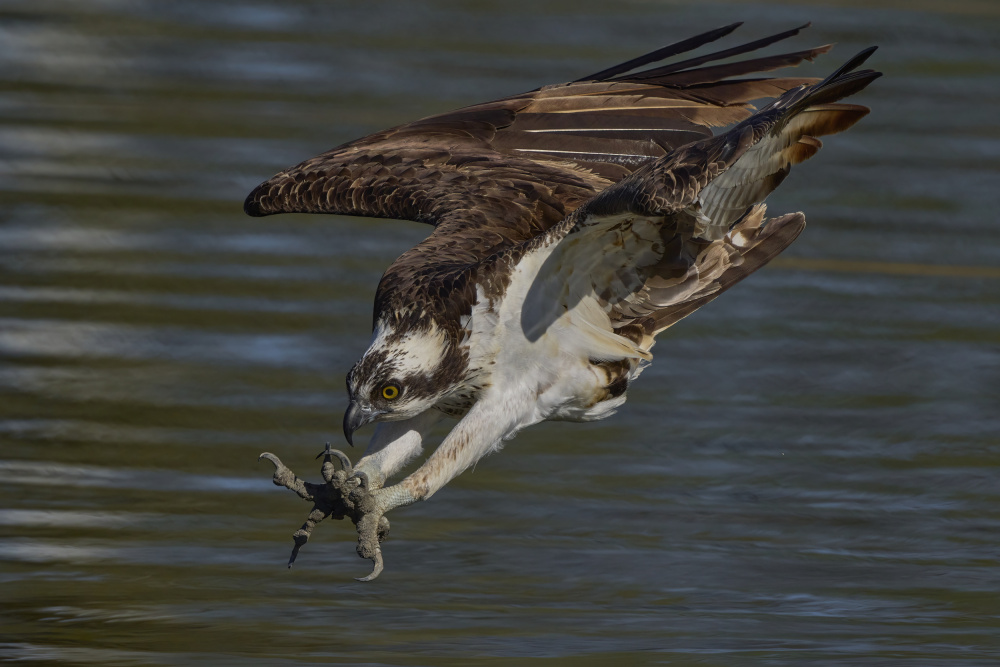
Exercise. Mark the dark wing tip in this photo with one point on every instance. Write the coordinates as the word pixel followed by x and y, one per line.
pixel 758 64
pixel 682 46
pixel 261 202
pixel 252 206
pixel 852 64
pixel 845 81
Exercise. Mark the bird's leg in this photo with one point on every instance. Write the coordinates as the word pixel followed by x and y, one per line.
pixel 392 446
pixel 395 444
pixel 479 432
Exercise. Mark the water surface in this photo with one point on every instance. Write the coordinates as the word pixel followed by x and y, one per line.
pixel 808 474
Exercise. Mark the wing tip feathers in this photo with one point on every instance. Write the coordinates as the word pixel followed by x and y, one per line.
pixel 692 43
pixel 253 205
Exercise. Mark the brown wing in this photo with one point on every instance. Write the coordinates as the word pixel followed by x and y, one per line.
pixel 493 175
pixel 678 232
pixel 525 161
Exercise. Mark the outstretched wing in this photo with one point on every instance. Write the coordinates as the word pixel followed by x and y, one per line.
pixel 495 174
pixel 679 231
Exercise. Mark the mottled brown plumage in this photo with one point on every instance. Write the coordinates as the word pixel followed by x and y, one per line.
pixel 493 175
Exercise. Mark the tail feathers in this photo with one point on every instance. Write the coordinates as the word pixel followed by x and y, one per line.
pixel 801 132
pixel 822 119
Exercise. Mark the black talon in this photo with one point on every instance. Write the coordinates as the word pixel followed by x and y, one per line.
pixel 299 541
pixel 344 461
pixel 339 455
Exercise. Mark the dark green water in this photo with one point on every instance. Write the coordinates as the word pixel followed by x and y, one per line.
pixel 808 474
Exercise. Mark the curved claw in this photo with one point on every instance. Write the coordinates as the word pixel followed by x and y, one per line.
pixel 285 477
pixel 301 536
pixel 362 478
pixel 278 465
pixel 341 456
pixel 376 570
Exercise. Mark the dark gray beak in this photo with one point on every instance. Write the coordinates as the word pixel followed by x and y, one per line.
pixel 354 419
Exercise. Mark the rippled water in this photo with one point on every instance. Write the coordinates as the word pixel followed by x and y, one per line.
pixel 807 474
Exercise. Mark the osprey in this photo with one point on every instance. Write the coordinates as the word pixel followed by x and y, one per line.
pixel 572 224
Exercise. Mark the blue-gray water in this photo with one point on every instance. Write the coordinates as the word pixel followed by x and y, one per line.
pixel 808 474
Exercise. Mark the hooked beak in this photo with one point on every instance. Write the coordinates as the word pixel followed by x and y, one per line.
pixel 355 418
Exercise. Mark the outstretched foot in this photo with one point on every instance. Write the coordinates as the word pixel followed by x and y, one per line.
pixel 343 493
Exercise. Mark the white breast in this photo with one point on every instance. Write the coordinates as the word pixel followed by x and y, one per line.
pixel 555 368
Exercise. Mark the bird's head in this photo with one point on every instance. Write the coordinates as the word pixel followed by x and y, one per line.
pixel 400 375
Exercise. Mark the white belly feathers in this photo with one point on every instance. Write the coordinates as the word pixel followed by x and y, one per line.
pixel 556 368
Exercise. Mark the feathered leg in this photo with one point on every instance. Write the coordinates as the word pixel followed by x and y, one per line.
pixel 394 445
pixel 489 422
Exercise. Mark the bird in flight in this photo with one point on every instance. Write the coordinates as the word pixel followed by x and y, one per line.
pixel 572 224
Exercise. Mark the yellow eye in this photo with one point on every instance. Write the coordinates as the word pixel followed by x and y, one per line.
pixel 390 392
